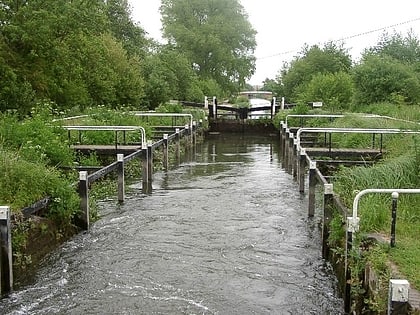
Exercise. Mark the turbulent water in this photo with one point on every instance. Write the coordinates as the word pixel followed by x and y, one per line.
pixel 225 232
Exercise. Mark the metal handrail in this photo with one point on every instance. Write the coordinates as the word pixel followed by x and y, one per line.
pixel 111 128
pixel 354 220
pixel 154 114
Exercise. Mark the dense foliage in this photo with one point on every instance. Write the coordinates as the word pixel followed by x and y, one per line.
pixel 215 36
pixel 87 53
pixel 387 72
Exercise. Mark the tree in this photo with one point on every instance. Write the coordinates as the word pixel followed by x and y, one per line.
pixel 313 61
pixel 335 90
pixel 405 49
pixel 69 52
pixel 122 27
pixel 385 79
pixel 215 36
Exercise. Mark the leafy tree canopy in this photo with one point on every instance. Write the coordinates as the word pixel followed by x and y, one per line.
pixel 216 37
pixel 314 60
pixel 405 49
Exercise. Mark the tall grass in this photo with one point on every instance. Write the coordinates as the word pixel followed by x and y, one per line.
pixel 400 172
pixel 24 183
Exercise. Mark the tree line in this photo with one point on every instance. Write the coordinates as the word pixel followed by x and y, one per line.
pixel 77 53
pixel 388 72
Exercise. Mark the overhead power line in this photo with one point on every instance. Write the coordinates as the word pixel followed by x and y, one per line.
pixel 346 38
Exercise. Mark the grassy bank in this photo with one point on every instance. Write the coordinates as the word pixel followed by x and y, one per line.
pixel 35 158
pixel 400 168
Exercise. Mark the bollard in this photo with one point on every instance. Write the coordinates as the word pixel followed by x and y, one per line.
pixel 312 186
pixel 120 171
pixel 302 164
pixel 6 262
pixel 398 297
pixel 84 199
pixel 393 216
pixel 165 152
pixel 328 209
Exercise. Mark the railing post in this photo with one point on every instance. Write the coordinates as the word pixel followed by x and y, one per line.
pixel 144 170
pixel 165 152
pixel 194 137
pixel 282 131
pixel 302 164
pixel 84 199
pixel 6 262
pixel 273 107
pixel 312 186
pixel 352 225
pixel 121 184
pixel 177 146
pixel 398 297
pixel 206 102
pixel 286 147
pixel 214 108
pixel 393 216
pixel 328 210
pixel 149 164
pixel 290 153
pixel 295 158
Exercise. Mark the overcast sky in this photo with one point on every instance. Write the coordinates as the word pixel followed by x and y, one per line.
pixel 284 27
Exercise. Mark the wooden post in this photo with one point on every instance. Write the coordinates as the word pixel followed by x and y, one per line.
pixel 328 210
pixel 84 199
pixel 165 152
pixel 188 134
pixel 177 146
pixel 144 170
pixel 6 262
pixel 149 167
pixel 312 185
pixel 273 107
pixel 286 148
pixel 194 137
pixel 295 158
pixel 398 297
pixel 347 273
pixel 214 106
pixel 282 131
pixel 120 171
pixel 290 153
pixel 302 164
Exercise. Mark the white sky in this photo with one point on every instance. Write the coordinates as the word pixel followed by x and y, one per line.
pixel 283 27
